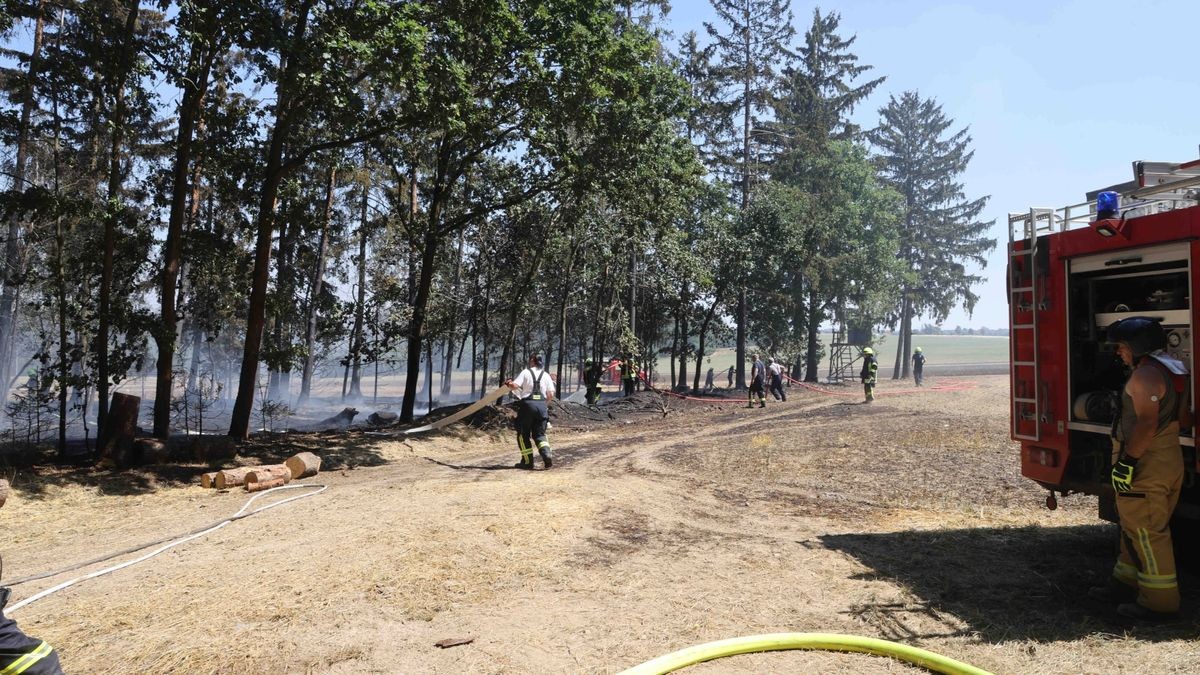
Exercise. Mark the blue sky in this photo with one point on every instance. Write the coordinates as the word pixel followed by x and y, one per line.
pixel 1060 97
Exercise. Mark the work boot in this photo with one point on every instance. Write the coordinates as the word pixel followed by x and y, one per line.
pixel 762 404
pixel 523 464
pixel 1113 593
pixel 547 457
pixel 1135 612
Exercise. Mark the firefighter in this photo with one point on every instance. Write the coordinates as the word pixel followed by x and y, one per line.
pixel 918 360
pixel 1147 472
pixel 591 378
pixel 708 381
pixel 629 374
pixel 20 653
pixel 533 387
pixel 776 371
pixel 729 377
pixel 758 376
pixel 867 375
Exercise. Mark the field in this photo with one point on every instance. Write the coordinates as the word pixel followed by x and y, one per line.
pixel 664 525
pixel 940 350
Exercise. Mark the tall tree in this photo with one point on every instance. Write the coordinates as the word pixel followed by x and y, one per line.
pixel 11 274
pixel 940 230
pixel 206 27
pixel 315 58
pixel 808 138
pixel 756 38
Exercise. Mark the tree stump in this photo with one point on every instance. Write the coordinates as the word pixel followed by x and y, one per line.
pixel 120 426
pixel 303 465
pixel 269 472
pixel 265 485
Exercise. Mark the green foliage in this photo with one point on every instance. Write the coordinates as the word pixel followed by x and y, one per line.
pixel 940 230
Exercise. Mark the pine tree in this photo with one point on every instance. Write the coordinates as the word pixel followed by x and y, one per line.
pixel 757 37
pixel 940 229
pixel 813 140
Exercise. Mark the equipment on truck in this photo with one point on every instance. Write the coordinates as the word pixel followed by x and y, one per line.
pixel 1129 250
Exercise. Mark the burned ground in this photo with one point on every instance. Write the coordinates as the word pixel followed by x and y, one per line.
pixel 663 523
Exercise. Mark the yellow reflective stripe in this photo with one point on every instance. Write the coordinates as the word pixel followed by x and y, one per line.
pixel 1147 551
pixel 25 662
pixel 526 452
pixel 1125 572
pixel 1158 581
pixel 543 444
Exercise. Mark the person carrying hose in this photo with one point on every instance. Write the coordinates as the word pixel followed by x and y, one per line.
pixel 867 375
pixel 20 653
pixel 533 388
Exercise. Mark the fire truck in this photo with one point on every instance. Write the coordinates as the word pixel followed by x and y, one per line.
pixel 1073 271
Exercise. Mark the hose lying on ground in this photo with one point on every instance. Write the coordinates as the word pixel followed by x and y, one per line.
pixel 175 541
pixel 822 641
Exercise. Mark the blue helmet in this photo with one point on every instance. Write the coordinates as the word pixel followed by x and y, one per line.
pixel 1141 333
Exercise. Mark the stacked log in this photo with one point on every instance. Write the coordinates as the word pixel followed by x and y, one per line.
pixel 3 491
pixel 232 477
pixel 265 485
pixel 303 465
pixel 260 474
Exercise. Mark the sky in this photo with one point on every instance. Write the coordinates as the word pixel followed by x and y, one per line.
pixel 1060 97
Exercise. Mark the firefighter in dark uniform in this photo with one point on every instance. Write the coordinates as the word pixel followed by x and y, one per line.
pixel 1147 472
pixel 867 375
pixel 918 360
pixel 20 653
pixel 758 376
pixel 591 378
pixel 533 387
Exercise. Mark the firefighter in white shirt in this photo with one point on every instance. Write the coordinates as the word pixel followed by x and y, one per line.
pixel 533 387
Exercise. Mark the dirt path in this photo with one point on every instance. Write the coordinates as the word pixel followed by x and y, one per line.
pixel 905 520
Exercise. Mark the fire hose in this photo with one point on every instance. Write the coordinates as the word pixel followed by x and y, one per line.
pixel 816 641
pixel 175 540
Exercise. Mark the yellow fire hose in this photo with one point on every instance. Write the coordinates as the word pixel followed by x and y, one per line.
pixel 822 641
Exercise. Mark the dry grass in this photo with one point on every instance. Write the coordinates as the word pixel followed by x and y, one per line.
pixel 905 520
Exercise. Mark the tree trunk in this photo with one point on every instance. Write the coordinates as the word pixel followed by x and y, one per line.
pixel 360 304
pixel 195 85
pixel 684 306
pixel 13 256
pixel 243 406
pixel 310 336
pixel 416 331
pixel 900 369
pixel 111 217
pixel 812 358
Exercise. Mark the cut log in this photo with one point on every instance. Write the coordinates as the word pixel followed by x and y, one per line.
pixel 151 451
pixel 232 477
pixel 303 465
pixel 269 472
pixel 214 448
pixel 209 480
pixel 258 486
pixel 3 492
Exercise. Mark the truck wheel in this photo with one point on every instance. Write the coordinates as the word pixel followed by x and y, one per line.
pixel 1051 501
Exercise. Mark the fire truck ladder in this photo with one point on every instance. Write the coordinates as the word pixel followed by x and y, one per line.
pixel 1023 299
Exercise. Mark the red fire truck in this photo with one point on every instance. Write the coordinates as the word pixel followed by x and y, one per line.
pixel 1072 272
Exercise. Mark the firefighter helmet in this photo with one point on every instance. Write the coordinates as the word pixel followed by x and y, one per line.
pixel 918 350
pixel 1141 333
pixel 868 351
